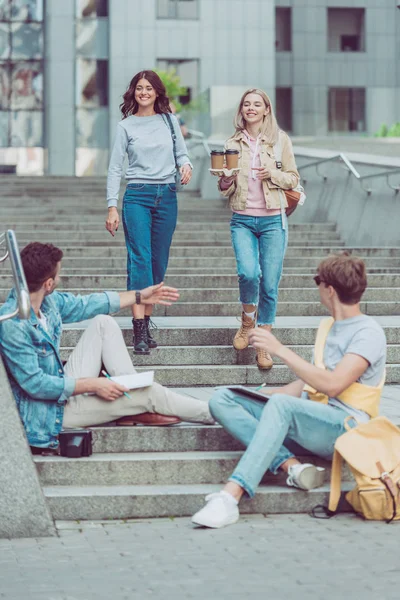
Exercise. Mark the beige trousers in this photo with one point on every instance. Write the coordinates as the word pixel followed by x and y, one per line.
pixel 102 342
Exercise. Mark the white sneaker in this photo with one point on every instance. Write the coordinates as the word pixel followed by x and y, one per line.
pixel 221 510
pixel 305 477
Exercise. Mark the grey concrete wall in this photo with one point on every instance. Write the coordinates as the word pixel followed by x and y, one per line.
pixel 59 107
pixel 23 509
pixel 362 219
pixel 311 70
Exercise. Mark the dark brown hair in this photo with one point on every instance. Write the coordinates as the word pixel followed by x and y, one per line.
pixel 129 106
pixel 346 274
pixel 40 263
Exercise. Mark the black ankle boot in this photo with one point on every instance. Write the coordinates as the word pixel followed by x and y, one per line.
pixel 150 340
pixel 140 337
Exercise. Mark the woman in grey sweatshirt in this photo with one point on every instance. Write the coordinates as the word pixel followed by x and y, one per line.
pixel 149 207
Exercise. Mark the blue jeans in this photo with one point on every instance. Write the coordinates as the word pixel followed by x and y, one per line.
pixel 149 214
pixel 269 428
pixel 260 245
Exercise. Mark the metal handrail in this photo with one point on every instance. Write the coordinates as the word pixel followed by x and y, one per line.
pixel 23 310
pixel 386 174
pixel 350 167
pixel 201 138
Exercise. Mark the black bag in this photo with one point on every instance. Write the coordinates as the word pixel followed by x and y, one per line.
pixel 75 443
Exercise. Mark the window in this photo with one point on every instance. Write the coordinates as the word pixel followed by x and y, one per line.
pixel 21 74
pixel 188 71
pixel 283 29
pixel 346 29
pixel 283 104
pixel 91 87
pixel 346 109
pixel 177 9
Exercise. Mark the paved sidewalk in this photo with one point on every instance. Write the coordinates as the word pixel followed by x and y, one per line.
pixel 288 557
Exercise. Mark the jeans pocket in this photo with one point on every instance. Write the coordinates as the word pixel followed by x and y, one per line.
pixel 135 186
pixel 172 187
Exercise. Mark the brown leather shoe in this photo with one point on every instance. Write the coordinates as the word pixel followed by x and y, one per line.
pixel 241 339
pixel 264 360
pixel 154 419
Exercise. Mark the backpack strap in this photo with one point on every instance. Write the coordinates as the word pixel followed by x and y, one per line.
pixel 278 151
pixel 173 135
pixel 326 512
pixel 336 478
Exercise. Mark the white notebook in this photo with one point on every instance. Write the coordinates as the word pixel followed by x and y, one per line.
pixel 136 380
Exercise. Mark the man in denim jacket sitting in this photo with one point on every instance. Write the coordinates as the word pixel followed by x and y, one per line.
pixel 49 395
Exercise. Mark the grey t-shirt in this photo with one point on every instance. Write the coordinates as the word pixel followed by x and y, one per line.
pixel 363 336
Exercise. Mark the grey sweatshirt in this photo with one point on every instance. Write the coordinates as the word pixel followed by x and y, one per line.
pixel 148 142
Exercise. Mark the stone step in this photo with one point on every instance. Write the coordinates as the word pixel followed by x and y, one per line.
pixel 226 251
pixel 118 243
pixel 190 262
pixel 231 294
pixel 125 502
pixel 215 355
pixel 195 375
pixel 219 331
pixel 96 225
pixel 152 468
pixel 203 280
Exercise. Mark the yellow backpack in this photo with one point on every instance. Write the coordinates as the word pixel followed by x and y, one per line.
pixel 372 451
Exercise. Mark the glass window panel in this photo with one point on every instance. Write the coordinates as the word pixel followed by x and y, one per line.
pixel 27 10
pixel 91 8
pixel 26 129
pixel 5 87
pixel 5 48
pixel 187 9
pixel 5 10
pixel 92 128
pixel 92 83
pixel 4 128
pixel 26 86
pixel 26 40
pixel 91 161
pixel 92 38
pixel 166 9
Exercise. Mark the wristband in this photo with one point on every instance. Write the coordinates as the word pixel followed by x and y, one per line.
pixel 138 298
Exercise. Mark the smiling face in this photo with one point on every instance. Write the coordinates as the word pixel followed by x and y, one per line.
pixel 145 94
pixel 254 109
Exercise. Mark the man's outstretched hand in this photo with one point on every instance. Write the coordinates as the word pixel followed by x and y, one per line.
pixel 265 340
pixel 159 294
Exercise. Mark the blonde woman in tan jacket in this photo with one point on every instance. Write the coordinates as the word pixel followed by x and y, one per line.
pixel 259 227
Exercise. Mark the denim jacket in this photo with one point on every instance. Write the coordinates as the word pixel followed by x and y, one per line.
pixel 32 359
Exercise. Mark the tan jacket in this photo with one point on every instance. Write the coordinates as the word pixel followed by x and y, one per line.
pixel 286 178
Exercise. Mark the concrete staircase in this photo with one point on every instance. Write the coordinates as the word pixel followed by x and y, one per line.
pixel 147 472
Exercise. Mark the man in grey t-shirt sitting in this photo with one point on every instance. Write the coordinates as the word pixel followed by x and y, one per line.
pixel 345 380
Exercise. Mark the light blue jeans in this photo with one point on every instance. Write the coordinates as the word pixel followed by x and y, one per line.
pixel 270 428
pixel 260 245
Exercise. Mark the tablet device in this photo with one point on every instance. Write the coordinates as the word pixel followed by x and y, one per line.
pixel 245 391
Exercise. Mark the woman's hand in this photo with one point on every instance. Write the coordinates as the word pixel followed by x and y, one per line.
pixel 262 173
pixel 112 221
pixel 186 174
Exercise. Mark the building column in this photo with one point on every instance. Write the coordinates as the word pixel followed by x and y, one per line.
pixel 59 81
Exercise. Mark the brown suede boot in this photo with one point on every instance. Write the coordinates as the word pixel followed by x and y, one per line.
pixel 264 359
pixel 241 339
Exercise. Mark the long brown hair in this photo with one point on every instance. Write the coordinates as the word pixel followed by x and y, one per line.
pixel 269 128
pixel 129 106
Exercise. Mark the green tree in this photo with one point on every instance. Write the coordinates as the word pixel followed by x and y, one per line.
pixel 172 83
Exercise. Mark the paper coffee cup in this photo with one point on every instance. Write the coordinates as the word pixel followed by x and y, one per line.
pixel 217 159
pixel 232 159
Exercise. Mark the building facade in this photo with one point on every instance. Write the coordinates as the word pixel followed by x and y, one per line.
pixel 332 67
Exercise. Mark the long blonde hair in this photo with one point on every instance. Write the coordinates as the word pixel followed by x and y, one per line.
pixel 269 129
